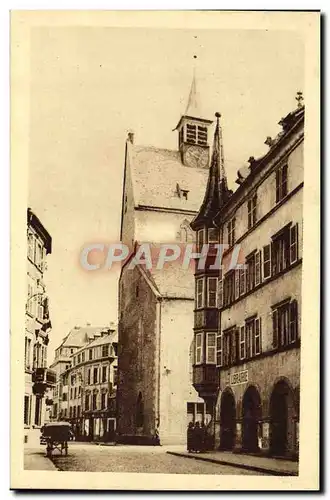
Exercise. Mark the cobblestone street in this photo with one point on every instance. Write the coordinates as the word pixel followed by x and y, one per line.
pixel 94 458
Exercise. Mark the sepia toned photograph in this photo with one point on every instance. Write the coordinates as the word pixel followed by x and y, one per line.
pixel 165 248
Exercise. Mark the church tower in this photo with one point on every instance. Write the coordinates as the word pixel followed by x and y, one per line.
pixel 193 132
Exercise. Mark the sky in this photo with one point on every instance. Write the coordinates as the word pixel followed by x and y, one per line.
pixel 90 85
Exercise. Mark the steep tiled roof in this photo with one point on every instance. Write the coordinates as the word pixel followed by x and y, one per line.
pixel 80 335
pixel 103 339
pixel 156 174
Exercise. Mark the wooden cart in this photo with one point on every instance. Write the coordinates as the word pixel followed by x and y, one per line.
pixel 56 436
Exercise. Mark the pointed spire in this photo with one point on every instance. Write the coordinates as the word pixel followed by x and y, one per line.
pixel 217 191
pixel 193 108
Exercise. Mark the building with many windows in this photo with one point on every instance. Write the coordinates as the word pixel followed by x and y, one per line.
pixel 247 336
pixel 74 340
pixel 38 378
pixel 87 384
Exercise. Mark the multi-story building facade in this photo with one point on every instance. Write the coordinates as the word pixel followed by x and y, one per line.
pixel 74 340
pixel 38 378
pixel 87 385
pixel 247 336
pixel 162 193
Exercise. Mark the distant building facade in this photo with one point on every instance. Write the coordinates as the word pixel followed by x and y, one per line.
pixel 247 336
pixel 87 384
pixel 162 192
pixel 38 378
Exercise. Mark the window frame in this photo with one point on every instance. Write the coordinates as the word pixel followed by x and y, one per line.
pixel 200 293
pixel 214 292
pixel 212 360
pixel 199 348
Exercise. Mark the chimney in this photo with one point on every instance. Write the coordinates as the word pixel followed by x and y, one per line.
pixel 130 136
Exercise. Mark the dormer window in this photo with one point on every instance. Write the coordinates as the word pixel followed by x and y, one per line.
pixel 182 193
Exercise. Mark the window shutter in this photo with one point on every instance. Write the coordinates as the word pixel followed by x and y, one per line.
pixel 242 281
pixel 257 336
pixel 294 244
pixel 277 186
pixel 258 267
pixel 275 328
pixel 247 340
pixel 237 276
pixel 293 321
pixel 219 350
pixel 220 289
pixel 242 343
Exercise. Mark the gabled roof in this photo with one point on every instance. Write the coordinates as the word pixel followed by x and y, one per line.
pixel 155 175
pixel 80 335
pixel 111 337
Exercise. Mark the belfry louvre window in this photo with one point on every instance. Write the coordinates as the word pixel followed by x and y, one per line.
pixel 202 135
pixel 285 324
pixel 200 293
pixel 281 183
pixel 191 133
pixel 212 292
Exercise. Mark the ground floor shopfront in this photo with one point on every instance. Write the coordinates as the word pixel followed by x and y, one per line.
pixel 95 426
pixel 257 409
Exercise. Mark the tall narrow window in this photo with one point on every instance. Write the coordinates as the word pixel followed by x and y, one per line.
pixel 258 268
pixel 220 290
pixel 250 273
pixel 213 235
pixel 219 349
pixel 199 349
pixel 104 373
pixel 281 183
pixel 26 410
pixel 242 343
pixel 200 239
pixel 242 281
pixel 294 244
pixel 257 338
pixel 212 292
pixel 293 332
pixel 237 285
pixel 210 348
pixel 200 293
pixel 252 211
pixel 231 232
pixel 267 262
pixel 95 375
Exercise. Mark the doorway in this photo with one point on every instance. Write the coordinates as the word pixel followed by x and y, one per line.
pixel 251 417
pixel 227 421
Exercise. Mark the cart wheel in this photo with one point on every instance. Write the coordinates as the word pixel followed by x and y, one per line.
pixel 66 448
pixel 49 451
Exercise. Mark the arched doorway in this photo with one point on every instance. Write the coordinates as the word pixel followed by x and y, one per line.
pixel 281 419
pixel 227 421
pixel 251 416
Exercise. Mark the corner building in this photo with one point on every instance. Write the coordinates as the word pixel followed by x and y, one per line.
pixel 250 373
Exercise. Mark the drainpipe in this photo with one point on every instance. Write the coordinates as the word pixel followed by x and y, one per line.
pixel 157 357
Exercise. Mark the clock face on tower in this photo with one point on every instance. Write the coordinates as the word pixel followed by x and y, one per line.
pixel 196 156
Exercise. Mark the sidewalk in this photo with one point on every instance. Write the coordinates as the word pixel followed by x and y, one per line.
pixel 35 459
pixel 272 466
